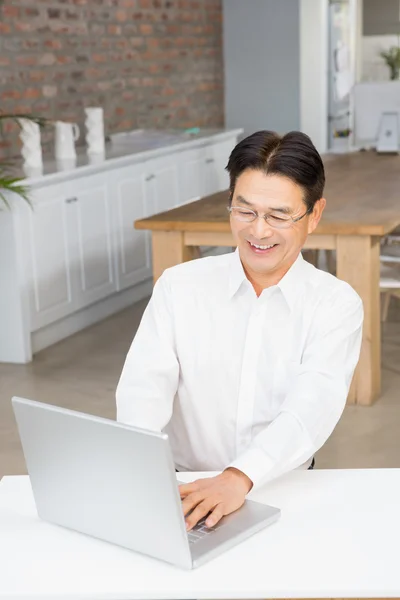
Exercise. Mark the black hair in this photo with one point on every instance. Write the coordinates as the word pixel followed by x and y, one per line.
pixel 293 156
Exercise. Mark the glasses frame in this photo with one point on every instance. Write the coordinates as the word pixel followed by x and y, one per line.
pixel 266 216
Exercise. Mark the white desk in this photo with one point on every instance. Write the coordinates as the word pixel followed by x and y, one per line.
pixel 338 537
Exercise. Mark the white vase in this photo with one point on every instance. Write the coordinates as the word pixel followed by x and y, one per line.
pixel 94 124
pixel 66 136
pixel 31 147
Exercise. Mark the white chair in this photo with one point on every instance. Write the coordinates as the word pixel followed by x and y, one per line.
pixel 390 271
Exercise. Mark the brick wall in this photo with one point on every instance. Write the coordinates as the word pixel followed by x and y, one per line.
pixel 148 63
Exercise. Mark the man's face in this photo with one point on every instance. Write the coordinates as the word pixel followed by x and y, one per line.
pixel 281 197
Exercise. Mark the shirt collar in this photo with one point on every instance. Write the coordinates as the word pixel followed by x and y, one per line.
pixel 289 285
pixel 236 274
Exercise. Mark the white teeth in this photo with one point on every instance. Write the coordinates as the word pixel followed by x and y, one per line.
pixel 261 247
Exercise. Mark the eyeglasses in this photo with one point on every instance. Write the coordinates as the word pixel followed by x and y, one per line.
pixel 246 215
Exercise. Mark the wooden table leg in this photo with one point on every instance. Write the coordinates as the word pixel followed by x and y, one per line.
pixel 169 250
pixel 358 264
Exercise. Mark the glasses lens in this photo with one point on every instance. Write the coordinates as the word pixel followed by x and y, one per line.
pixel 241 214
pixel 279 222
pixel 248 216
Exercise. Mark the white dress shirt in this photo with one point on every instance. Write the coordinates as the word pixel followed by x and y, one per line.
pixel 257 383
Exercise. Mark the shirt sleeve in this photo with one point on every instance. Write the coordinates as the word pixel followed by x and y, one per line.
pixel 316 397
pixel 149 379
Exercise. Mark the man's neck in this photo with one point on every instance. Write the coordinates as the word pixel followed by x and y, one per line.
pixel 262 281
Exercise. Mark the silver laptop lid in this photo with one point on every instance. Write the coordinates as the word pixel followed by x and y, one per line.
pixel 103 478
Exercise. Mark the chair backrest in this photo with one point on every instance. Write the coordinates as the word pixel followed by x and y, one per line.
pixel 389 277
pixel 390 248
pixel 390 262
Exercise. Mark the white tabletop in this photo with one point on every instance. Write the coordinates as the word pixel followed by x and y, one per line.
pixel 338 537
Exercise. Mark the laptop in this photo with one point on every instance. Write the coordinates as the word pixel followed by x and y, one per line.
pixel 118 483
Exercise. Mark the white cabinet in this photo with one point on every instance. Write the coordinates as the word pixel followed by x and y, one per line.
pixel 77 256
pixel 202 171
pixel 140 191
pixel 162 185
pixel 133 247
pixel 216 178
pixel 91 241
pixel 46 251
pixel 67 245
pixel 192 169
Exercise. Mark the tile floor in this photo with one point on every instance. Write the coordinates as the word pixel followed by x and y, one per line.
pixel 82 371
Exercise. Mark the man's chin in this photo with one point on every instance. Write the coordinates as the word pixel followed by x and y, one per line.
pixel 261 265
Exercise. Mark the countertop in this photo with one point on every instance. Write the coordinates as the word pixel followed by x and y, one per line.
pixel 138 146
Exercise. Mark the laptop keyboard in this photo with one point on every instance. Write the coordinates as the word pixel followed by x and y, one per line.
pixel 200 531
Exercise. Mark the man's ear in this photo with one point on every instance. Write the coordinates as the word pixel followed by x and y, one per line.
pixel 316 214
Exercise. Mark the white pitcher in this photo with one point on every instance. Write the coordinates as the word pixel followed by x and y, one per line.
pixel 66 136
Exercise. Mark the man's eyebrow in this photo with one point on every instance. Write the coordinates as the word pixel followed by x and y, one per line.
pixel 243 200
pixel 286 210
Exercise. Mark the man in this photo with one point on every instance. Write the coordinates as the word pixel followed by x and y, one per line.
pixel 246 359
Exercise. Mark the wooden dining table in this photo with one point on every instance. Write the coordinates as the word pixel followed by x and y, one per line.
pixel 363 205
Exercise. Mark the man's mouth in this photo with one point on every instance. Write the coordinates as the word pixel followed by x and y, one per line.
pixel 262 248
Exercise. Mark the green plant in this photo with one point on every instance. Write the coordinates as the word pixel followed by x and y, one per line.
pixel 392 59
pixel 12 184
pixel 8 183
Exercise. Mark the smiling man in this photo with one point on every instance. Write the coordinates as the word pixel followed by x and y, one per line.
pixel 246 359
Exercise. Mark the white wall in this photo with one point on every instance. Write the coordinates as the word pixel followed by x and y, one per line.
pixel 358 50
pixel 314 71
pixel 373 66
pixel 261 64
pixel 261 97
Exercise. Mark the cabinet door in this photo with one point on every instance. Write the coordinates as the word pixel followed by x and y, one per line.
pixel 191 171
pixel 133 246
pixel 216 177
pixel 92 240
pixel 162 184
pixel 47 254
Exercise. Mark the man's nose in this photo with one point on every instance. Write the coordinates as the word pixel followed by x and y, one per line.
pixel 261 229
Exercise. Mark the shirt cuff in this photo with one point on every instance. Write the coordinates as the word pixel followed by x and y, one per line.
pixel 255 464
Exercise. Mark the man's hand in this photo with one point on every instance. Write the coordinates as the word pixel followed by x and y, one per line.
pixel 220 496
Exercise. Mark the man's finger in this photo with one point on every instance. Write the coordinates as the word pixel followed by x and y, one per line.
pixel 216 515
pixel 199 484
pixel 187 488
pixel 191 501
pixel 199 512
